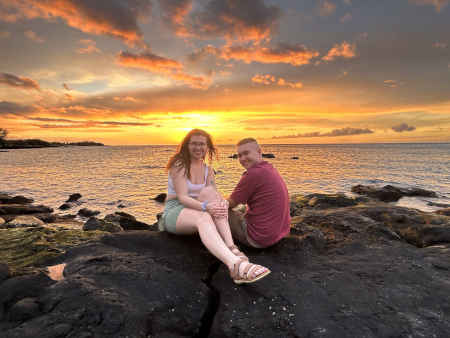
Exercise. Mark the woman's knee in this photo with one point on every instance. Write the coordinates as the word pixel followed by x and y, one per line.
pixel 208 194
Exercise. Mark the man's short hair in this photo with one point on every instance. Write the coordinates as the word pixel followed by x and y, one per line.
pixel 246 140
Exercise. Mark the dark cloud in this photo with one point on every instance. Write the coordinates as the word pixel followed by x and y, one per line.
pixel 19 82
pixel 283 52
pixel 116 18
pixel 335 132
pixel 150 61
pixel 401 127
pixel 87 123
pixel 11 108
pixel 240 20
pixel 66 86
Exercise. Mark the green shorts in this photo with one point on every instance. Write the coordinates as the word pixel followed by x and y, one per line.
pixel 170 215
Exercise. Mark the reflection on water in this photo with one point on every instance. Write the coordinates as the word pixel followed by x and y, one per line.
pixel 56 271
pixel 132 175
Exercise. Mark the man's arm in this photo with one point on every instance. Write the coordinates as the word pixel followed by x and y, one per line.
pixel 232 203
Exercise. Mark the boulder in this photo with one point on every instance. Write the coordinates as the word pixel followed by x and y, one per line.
pixel 445 211
pixel 439 205
pixel 2 223
pixel 125 222
pixel 410 192
pixel 94 223
pixel 18 209
pixel 330 201
pixel 74 198
pixel 388 193
pixel 85 212
pixel 124 214
pixel 233 156
pixel 25 222
pixel 294 157
pixel 161 197
pixel 268 155
pixel 24 310
pixel 4 198
pixel 66 206
pixel 17 288
pixel 20 200
pixel 5 272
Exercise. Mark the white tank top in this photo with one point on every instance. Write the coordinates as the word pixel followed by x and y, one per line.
pixel 193 189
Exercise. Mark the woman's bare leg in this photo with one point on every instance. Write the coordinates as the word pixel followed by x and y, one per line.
pixel 210 195
pixel 191 221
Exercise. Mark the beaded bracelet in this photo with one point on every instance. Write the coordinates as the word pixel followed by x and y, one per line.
pixel 204 205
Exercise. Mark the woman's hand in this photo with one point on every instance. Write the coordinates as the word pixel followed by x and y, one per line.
pixel 217 210
pixel 225 204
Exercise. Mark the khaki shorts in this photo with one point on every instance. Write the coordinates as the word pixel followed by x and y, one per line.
pixel 238 226
pixel 168 221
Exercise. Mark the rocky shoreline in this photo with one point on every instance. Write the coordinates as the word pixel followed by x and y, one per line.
pixel 351 267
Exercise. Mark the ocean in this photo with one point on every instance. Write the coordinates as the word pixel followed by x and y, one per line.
pixel 131 176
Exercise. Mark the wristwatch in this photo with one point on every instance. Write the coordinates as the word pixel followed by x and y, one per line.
pixel 204 205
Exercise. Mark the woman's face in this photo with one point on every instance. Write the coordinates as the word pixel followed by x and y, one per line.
pixel 198 146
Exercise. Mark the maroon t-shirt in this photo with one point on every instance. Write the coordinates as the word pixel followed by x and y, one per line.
pixel 264 191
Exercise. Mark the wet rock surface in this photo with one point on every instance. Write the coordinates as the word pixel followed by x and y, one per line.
pixel 85 212
pixel 126 221
pixel 24 222
pixel 364 270
pixel 94 223
pixel 390 193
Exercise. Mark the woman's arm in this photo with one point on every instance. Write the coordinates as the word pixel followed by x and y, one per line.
pixel 211 181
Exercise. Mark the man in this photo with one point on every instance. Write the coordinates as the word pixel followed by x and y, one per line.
pixel 267 218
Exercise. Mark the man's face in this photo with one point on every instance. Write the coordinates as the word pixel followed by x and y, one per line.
pixel 249 154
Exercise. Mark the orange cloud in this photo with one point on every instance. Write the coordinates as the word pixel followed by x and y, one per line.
pixel 117 19
pixel 345 17
pixel 326 9
pixel 160 64
pixel 70 97
pixel 263 78
pixel 90 46
pixel 198 82
pixel 150 61
pixel 32 36
pixel 282 53
pixel 438 4
pixel 266 78
pixel 345 50
pixel 233 20
pixel 281 82
pixel 439 45
pixel 128 98
pixel 174 14
pixel 19 82
pixel 66 86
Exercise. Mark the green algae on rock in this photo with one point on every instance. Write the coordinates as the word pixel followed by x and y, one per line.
pixel 26 246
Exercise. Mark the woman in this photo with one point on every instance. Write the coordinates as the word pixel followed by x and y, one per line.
pixel 194 205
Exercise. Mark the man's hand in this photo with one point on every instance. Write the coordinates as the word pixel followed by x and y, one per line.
pixel 231 203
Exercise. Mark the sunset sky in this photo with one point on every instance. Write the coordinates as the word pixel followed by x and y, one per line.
pixel 147 71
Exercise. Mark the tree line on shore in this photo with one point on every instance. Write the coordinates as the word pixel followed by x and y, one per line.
pixel 37 143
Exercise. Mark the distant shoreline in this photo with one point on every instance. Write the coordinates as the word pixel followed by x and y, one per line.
pixel 35 143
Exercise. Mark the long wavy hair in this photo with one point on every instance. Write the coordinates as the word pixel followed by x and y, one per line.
pixel 182 158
